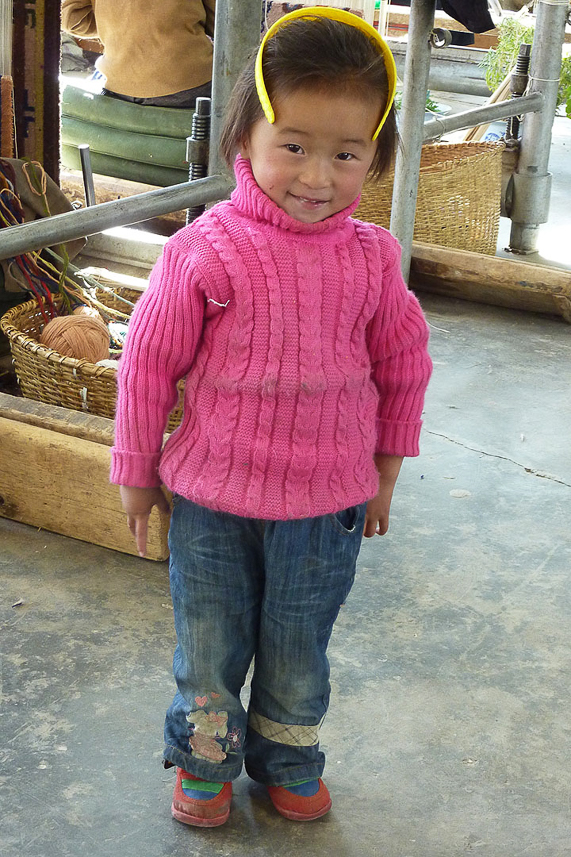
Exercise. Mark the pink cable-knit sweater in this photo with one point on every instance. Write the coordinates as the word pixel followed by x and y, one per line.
pixel 304 355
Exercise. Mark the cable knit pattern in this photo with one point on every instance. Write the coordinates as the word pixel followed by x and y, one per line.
pixel 303 352
pixel 270 379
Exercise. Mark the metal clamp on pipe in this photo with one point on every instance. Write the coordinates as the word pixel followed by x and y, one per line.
pixel 530 195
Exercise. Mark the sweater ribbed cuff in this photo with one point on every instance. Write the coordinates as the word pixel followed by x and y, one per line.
pixel 396 438
pixel 137 469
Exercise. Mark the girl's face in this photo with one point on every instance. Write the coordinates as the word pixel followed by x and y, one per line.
pixel 313 160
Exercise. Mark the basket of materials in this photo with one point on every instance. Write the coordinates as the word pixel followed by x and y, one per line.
pixel 47 376
pixel 459 196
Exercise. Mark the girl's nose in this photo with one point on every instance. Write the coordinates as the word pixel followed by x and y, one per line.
pixel 315 173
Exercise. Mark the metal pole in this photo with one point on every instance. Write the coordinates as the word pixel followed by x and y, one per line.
pixel 236 36
pixel 532 181
pixel 449 70
pixel 197 149
pixel 120 212
pixel 383 17
pixel 434 128
pixel 411 126
pixel 87 172
pixel 519 81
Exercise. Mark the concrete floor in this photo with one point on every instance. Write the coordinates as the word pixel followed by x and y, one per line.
pixel 449 725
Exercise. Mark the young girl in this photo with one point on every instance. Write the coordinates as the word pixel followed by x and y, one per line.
pixel 305 362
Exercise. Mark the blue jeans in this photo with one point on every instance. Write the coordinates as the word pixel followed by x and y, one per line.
pixel 244 588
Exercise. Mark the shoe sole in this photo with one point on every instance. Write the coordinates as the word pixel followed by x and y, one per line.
pixel 298 816
pixel 199 821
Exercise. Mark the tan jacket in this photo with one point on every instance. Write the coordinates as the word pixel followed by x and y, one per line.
pixel 152 47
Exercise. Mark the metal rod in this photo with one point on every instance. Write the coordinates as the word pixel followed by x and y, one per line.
pixel 434 128
pixel 120 212
pixel 236 36
pixel 417 65
pixel 453 70
pixel 532 181
pixel 383 17
pixel 197 160
pixel 87 173
pixel 519 81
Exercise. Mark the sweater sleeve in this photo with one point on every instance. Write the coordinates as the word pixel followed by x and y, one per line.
pixel 401 365
pixel 78 18
pixel 164 333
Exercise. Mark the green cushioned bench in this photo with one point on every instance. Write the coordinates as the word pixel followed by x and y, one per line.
pixel 127 141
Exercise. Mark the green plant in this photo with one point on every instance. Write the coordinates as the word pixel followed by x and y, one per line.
pixel 499 61
pixel 431 106
pixel 565 85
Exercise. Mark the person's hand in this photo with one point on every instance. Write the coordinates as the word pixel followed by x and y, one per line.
pixel 138 503
pixel 377 515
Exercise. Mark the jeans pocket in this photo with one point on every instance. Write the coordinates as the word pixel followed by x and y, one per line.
pixel 346 520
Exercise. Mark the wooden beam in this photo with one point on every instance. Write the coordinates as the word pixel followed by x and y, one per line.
pixel 62 420
pixel 54 474
pixel 491 280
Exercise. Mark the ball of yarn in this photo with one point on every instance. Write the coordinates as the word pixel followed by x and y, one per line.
pixel 87 310
pixel 77 336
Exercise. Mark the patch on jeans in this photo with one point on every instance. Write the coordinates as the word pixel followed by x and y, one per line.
pixel 292 734
pixel 235 738
pixel 206 728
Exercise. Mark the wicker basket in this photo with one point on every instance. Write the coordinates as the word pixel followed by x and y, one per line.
pixel 458 202
pixel 47 376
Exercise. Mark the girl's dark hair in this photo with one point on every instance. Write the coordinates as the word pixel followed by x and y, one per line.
pixel 317 53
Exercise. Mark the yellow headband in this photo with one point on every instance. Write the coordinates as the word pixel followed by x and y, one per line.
pixel 336 15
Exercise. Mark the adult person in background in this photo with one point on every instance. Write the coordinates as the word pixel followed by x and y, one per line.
pixel 156 53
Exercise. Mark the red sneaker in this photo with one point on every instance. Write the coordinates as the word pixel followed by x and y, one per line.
pixel 200 803
pixel 301 807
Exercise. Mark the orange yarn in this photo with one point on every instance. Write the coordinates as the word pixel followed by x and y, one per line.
pixel 79 336
pixel 87 310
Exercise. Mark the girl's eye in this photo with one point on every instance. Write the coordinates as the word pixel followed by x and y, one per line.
pixel 345 156
pixel 293 147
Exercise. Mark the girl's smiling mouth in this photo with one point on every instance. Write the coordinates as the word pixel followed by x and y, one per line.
pixel 306 200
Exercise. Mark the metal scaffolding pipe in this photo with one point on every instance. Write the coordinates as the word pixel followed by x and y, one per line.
pixel 120 212
pixel 532 181
pixel 236 35
pixel 434 128
pixel 411 126
pixel 451 70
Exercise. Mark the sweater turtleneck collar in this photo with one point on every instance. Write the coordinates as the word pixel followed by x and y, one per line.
pixel 249 198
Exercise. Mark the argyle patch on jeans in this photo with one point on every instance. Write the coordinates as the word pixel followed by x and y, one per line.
pixel 292 734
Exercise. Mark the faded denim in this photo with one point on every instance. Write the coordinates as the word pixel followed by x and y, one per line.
pixel 245 588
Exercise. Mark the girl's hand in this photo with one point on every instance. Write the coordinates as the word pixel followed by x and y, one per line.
pixel 138 503
pixel 377 516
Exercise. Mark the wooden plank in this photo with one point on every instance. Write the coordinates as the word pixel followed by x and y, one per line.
pixel 491 280
pixel 61 484
pixel 72 423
